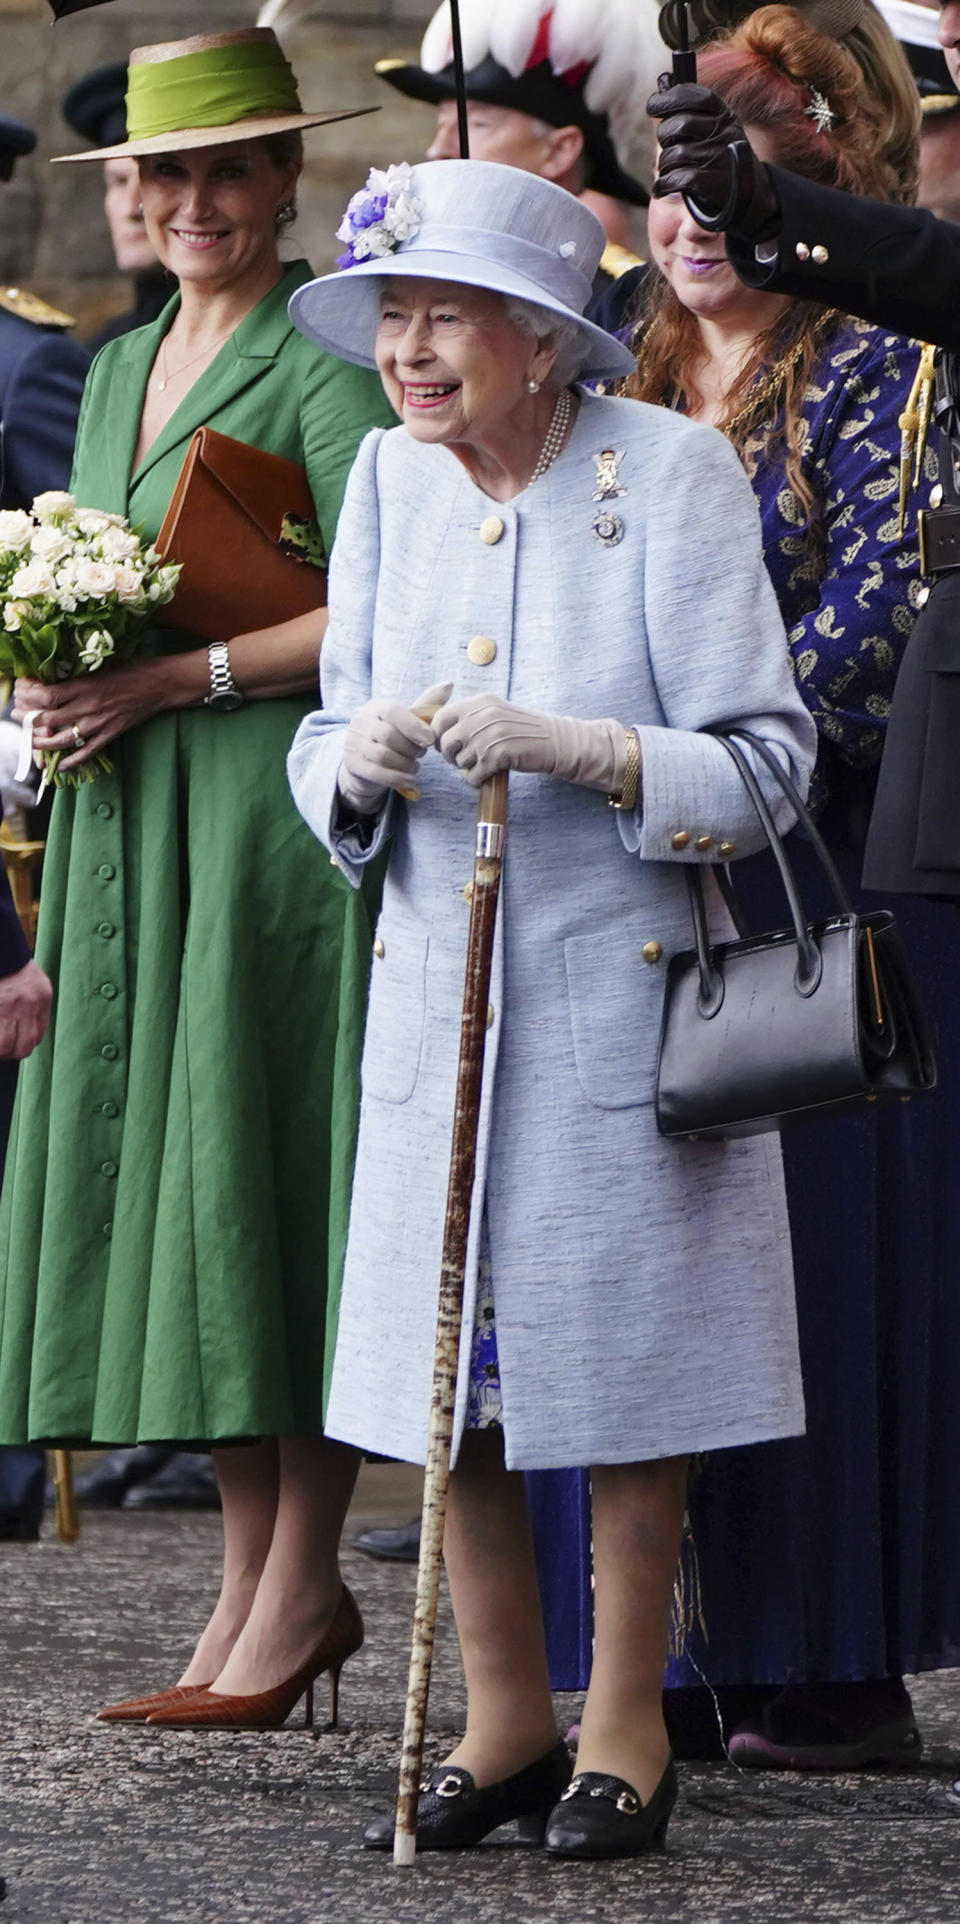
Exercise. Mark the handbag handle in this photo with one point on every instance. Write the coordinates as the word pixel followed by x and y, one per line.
pixel 809 961
pixel 800 809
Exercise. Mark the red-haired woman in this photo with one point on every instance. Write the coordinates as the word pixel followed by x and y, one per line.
pixel 826 1570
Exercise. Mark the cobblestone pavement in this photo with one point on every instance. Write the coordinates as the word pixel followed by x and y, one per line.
pixel 107 1826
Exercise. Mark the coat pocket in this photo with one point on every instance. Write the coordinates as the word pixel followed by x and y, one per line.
pixel 615 984
pixel 396 1014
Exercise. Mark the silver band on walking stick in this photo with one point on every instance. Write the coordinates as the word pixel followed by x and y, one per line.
pixel 490 841
pixel 456 1229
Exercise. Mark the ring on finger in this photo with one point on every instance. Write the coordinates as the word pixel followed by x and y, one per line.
pixel 79 741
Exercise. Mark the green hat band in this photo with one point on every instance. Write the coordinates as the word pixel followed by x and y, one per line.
pixel 212 88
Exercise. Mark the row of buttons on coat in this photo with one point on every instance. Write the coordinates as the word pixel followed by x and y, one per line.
pixel 106 930
pixel 818 255
pixel 682 839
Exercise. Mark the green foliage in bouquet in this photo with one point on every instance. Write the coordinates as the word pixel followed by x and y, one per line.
pixel 77 589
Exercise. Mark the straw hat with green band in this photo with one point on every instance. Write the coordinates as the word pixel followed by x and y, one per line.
pixel 210 89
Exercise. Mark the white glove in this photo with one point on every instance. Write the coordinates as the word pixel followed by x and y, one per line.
pixel 482 734
pixel 383 745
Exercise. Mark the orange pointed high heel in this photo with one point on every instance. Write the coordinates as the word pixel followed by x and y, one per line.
pixel 269 1709
pixel 136 1710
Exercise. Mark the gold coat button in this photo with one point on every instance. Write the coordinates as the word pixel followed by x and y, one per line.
pixel 703 842
pixel 481 651
pixel 936 495
pixel 378 948
pixel 490 1016
pixel 803 251
pixel 652 951
pixel 923 597
pixel 820 255
pixel 491 530
pixel 680 840
pixel 726 849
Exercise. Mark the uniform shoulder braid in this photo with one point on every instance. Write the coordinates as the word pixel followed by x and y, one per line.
pixel 29 307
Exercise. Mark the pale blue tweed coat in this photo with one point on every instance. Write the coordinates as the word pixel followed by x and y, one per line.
pixel 643 1288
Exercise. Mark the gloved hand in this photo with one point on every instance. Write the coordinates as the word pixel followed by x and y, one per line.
pixel 482 734
pixel 706 157
pixel 383 745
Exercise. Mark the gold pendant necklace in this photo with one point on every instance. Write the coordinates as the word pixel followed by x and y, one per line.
pixel 162 358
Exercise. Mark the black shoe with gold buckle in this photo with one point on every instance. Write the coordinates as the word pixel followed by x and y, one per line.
pixel 600 1816
pixel 455 1815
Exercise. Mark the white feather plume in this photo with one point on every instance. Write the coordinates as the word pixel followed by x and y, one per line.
pixel 283 14
pixel 620 39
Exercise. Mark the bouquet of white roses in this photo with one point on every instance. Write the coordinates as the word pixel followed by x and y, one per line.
pixel 77 588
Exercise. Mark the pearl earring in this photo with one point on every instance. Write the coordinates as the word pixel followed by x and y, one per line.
pixel 533 387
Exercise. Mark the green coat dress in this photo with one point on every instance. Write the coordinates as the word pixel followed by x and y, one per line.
pixel 177 1184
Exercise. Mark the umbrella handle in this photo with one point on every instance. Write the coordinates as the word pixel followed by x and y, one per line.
pixel 491 827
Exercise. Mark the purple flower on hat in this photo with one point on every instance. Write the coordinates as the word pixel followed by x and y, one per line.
pixel 381 217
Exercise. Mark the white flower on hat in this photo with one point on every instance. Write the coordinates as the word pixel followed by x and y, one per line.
pixel 381 217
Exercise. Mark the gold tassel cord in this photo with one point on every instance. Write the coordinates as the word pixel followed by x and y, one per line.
pixel 914 425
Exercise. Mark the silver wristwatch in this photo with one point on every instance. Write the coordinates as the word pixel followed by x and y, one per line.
pixel 224 693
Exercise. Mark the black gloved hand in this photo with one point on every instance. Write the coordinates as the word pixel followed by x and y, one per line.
pixel 706 157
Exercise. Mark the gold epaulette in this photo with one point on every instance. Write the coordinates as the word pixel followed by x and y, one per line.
pixel 616 260
pixel 16 300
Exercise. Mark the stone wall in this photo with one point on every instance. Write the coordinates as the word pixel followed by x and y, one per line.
pixel 52 233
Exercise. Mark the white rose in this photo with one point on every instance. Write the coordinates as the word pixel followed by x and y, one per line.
pixel 33 581
pixel 16 529
pixel 119 544
pixel 91 521
pixel 94 579
pixel 49 543
pixel 128 584
pixel 13 615
pixel 47 507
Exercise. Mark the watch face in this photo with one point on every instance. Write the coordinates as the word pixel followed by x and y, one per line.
pixel 226 699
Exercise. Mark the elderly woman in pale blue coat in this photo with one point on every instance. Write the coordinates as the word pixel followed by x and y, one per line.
pixel 578 582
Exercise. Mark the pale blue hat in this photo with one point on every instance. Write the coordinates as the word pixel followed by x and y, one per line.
pixel 472 222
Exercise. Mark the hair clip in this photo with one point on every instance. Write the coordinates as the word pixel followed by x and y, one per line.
pixel 820 111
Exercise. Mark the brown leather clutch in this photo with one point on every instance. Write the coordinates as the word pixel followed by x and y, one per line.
pixel 242 524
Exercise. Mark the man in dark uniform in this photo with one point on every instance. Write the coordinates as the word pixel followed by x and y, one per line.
pixel 96 109
pixel 547 118
pixel 900 268
pixel 41 381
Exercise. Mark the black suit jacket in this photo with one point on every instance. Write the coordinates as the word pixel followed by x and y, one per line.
pixel 42 374
pixel 900 268
pixel 896 266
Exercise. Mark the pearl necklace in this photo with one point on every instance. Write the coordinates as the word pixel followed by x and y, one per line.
pixel 556 435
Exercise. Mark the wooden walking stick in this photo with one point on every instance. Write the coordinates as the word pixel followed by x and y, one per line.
pixel 68 1522
pixel 491 827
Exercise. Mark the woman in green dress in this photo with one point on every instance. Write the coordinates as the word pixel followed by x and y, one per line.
pixel 172 1221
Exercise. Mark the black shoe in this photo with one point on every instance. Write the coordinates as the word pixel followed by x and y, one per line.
pixel 600 1816
pixel 399 1544
pixel 834 1726
pixel 454 1814
pixel 186 1482
pixel 105 1484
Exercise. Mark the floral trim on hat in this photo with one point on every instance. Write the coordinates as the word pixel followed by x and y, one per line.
pixel 381 216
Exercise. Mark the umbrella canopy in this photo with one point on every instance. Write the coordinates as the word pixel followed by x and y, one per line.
pixel 61 8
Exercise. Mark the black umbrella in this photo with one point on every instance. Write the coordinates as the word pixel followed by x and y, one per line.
pixel 62 7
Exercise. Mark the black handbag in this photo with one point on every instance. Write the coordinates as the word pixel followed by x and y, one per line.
pixel 812 1020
